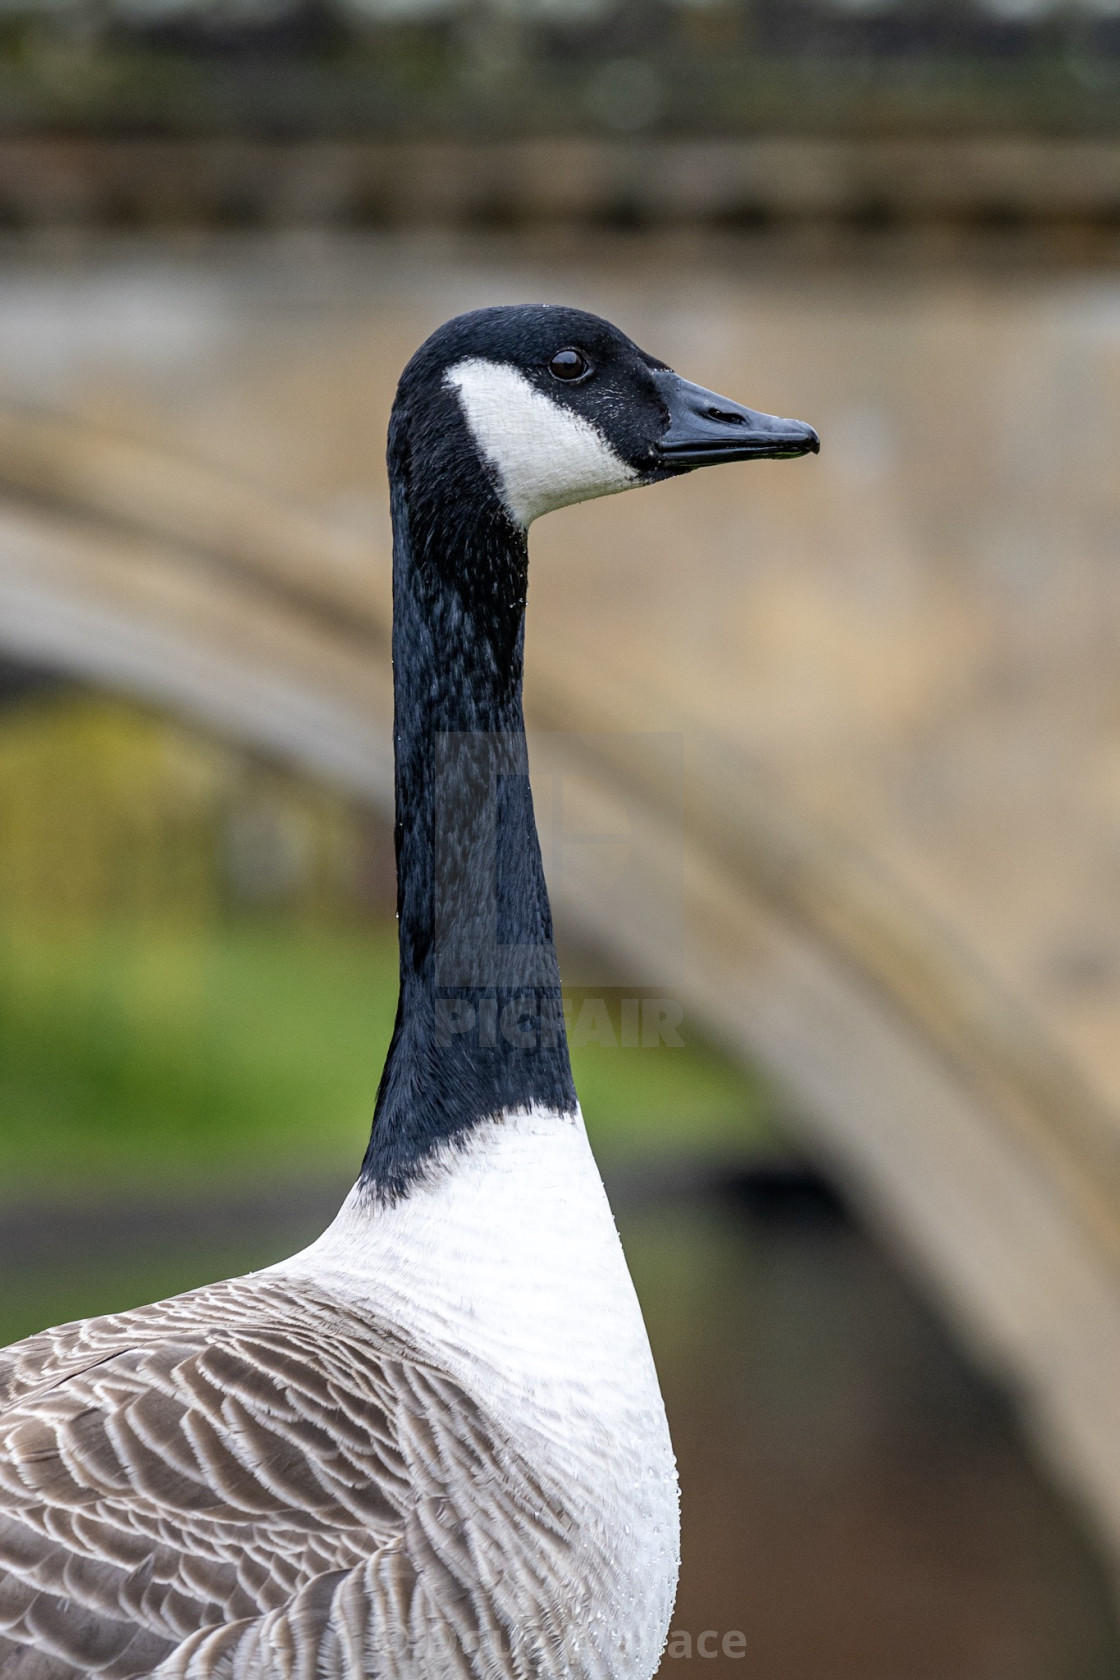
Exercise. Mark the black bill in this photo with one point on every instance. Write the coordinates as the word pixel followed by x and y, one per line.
pixel 705 428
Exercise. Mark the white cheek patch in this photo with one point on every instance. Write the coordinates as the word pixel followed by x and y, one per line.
pixel 544 455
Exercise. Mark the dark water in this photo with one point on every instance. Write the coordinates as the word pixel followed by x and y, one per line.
pixel 858 1501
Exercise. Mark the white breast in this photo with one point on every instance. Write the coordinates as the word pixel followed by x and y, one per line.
pixel 507 1264
pixel 544 455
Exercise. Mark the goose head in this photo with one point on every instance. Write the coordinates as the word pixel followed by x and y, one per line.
pixel 562 407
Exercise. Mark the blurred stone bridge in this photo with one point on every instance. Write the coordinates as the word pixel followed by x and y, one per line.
pixel 877 956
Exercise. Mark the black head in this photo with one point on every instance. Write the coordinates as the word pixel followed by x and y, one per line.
pixel 562 407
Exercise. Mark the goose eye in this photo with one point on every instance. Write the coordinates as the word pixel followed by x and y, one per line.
pixel 569 364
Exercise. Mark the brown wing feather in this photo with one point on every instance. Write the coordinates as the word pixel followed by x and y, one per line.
pixel 251 1481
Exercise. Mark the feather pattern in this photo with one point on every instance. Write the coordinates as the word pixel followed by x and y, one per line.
pixel 253 1479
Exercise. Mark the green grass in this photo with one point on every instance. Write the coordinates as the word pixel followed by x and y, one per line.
pixel 185 1057
pixel 180 1058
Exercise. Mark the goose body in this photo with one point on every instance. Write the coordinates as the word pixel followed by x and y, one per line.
pixel 432 1444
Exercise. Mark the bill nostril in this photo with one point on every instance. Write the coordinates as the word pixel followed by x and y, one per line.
pixel 722 414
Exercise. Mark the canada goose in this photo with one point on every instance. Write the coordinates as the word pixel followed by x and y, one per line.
pixel 433 1443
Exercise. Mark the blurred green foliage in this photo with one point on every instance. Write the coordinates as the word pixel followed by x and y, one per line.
pixel 110 814
pixel 287 69
pixel 415 90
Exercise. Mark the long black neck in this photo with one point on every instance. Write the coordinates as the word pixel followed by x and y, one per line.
pixel 479 1028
